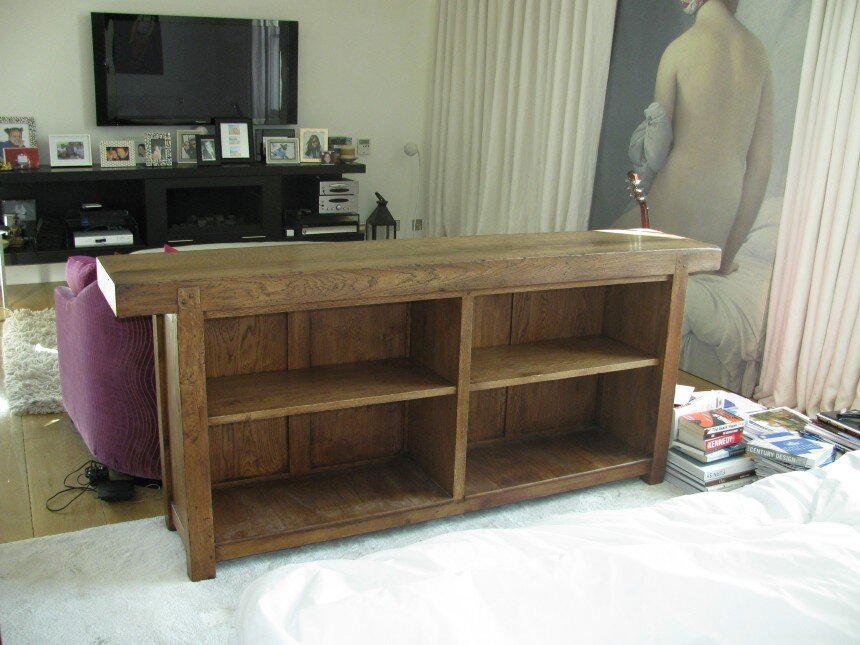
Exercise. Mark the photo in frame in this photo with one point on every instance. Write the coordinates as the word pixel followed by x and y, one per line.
pixel 140 156
pixel 159 149
pixel 234 140
pixel 186 146
pixel 70 150
pixel 17 132
pixel 281 150
pixel 208 153
pixel 117 153
pixel 261 131
pixel 314 142
pixel 21 158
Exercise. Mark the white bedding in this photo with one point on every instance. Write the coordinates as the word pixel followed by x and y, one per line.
pixel 777 561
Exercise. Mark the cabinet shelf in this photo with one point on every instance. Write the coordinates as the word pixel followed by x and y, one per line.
pixel 268 395
pixel 549 462
pixel 547 360
pixel 276 514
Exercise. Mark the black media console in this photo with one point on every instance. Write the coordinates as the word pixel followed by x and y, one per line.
pixel 178 205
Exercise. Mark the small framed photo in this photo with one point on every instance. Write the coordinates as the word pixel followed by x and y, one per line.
pixel 117 153
pixel 17 132
pixel 314 143
pixel 70 150
pixel 186 145
pixel 281 149
pixel 261 131
pixel 140 155
pixel 159 148
pixel 208 153
pixel 234 139
pixel 327 157
pixel 21 158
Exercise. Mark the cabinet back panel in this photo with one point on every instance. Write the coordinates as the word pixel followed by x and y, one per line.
pixel 356 434
pixel 636 314
pixel 358 334
pixel 252 449
pixel 246 345
pixel 551 405
pixel 559 313
pixel 487 414
pixel 492 320
pixel 629 403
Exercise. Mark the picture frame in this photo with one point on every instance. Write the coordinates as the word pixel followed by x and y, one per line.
pixel 261 131
pixel 314 142
pixel 117 153
pixel 17 132
pixel 159 149
pixel 234 140
pixel 186 146
pixel 140 151
pixel 208 152
pixel 21 158
pixel 281 150
pixel 327 157
pixel 70 150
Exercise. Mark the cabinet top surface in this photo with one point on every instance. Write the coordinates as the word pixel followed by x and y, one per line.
pixel 349 272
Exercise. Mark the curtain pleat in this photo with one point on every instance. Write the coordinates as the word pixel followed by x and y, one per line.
pixel 518 93
pixel 812 354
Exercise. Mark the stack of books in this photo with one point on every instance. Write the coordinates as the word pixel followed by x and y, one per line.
pixel 841 428
pixel 778 441
pixel 708 453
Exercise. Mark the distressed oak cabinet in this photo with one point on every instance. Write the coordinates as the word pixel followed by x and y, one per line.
pixel 315 391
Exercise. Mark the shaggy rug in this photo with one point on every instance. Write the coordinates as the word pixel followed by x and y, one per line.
pixel 126 583
pixel 30 362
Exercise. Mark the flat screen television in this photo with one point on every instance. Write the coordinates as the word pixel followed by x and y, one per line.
pixel 183 70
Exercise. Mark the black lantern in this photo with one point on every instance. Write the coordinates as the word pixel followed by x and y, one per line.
pixel 380 225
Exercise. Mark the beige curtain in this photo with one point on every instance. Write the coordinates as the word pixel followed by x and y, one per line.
pixel 518 94
pixel 812 352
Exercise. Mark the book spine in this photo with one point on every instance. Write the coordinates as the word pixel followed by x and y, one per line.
pixel 776 455
pixel 723 442
pixel 716 431
pixel 708 472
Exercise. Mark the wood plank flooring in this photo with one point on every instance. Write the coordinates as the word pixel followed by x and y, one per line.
pixel 38 451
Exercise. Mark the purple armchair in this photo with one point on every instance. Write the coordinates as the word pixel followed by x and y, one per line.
pixel 107 375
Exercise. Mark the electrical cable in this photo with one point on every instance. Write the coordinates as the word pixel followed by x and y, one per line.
pixel 90 470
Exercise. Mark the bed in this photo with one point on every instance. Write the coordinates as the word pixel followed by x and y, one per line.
pixel 777 561
pixel 725 316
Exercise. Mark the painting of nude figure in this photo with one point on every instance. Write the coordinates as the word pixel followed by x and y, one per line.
pixel 700 103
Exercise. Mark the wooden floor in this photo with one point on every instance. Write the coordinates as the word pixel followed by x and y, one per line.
pixel 38 451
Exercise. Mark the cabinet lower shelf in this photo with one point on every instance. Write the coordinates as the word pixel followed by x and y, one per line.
pixel 282 513
pixel 272 515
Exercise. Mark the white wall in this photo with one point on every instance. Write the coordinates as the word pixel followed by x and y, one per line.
pixel 364 70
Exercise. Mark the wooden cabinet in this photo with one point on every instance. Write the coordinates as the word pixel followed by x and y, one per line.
pixel 312 392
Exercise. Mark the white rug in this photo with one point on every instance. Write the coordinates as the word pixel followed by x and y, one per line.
pixel 126 583
pixel 30 362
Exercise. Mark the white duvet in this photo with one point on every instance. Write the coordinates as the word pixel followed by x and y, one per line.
pixel 774 562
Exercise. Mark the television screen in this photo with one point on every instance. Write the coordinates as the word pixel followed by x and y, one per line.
pixel 182 70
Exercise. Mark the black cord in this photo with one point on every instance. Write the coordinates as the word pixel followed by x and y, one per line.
pixel 80 472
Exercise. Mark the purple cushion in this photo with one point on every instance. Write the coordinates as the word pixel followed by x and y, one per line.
pixel 80 271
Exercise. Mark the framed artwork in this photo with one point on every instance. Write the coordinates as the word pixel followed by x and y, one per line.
pixel 159 148
pixel 262 131
pixel 17 132
pixel 186 146
pixel 314 143
pixel 21 158
pixel 208 153
pixel 117 153
pixel 234 139
pixel 281 149
pixel 70 150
